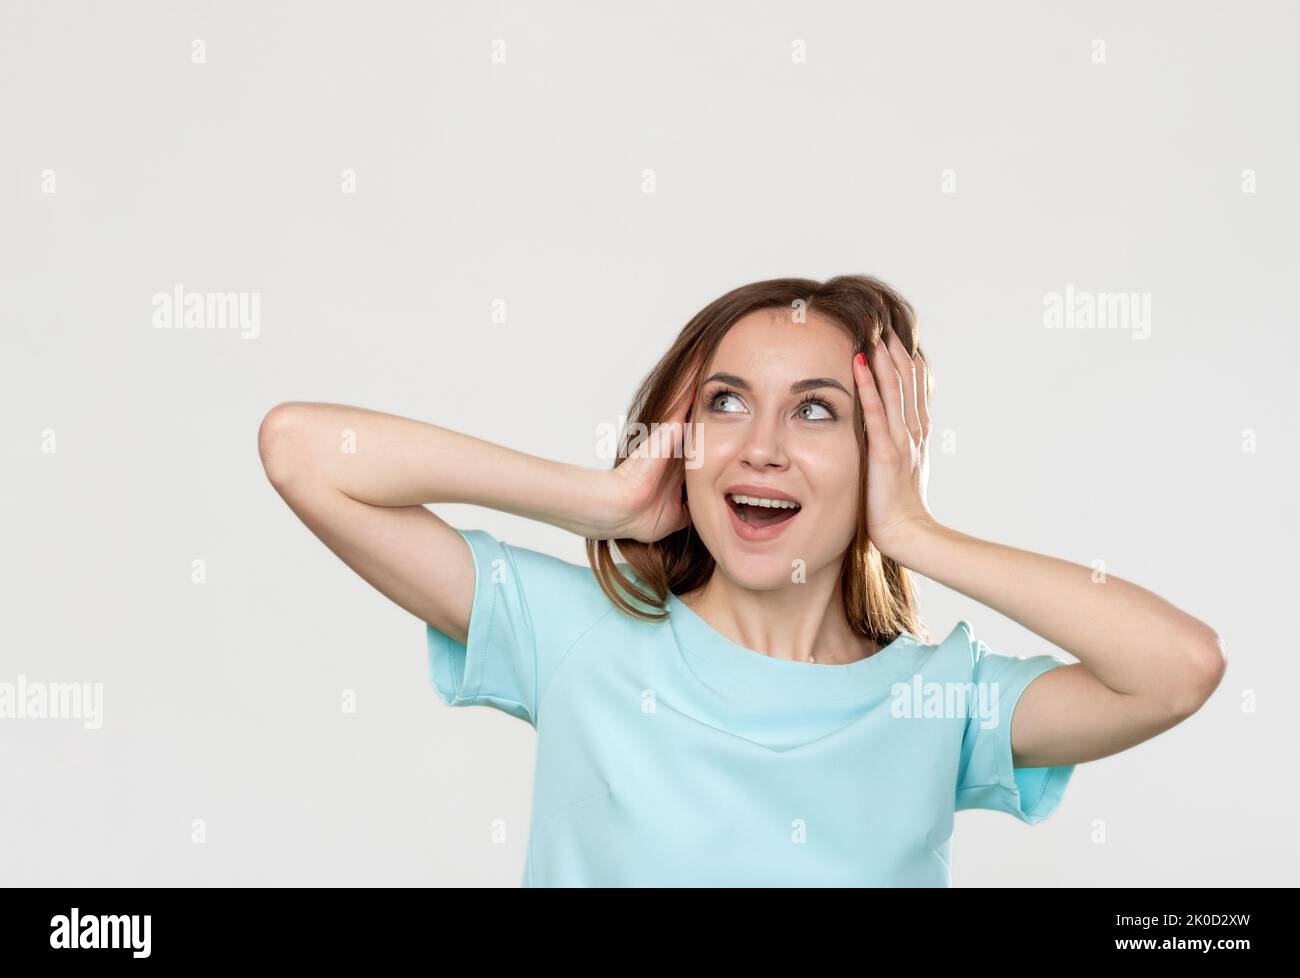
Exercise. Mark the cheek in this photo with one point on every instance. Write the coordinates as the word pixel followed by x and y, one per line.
pixel 712 449
pixel 699 481
pixel 832 470
pixel 837 494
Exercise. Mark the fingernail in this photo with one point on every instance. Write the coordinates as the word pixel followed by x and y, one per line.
pixel 861 358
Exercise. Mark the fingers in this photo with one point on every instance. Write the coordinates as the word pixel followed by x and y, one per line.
pixel 683 398
pixel 663 441
pixel 889 383
pixel 925 387
pixel 874 413
pixel 657 442
pixel 908 376
pixel 671 436
pixel 894 390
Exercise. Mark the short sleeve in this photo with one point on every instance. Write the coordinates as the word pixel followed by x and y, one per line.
pixel 529 608
pixel 986 777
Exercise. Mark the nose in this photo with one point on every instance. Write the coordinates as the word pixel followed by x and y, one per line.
pixel 764 445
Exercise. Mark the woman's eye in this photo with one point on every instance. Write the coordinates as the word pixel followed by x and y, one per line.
pixel 825 415
pixel 721 398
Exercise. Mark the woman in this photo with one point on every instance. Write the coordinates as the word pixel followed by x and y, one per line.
pixel 749 697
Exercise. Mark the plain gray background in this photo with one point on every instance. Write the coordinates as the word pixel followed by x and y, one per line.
pixel 1171 457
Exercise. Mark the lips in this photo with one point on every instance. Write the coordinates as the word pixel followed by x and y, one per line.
pixel 754 521
pixel 760 516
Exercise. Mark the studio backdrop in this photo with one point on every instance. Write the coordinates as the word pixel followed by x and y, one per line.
pixel 496 217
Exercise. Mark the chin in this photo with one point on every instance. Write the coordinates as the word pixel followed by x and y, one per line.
pixel 758 579
pixel 768 570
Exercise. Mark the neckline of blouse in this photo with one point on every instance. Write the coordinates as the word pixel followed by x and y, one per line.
pixel 881 668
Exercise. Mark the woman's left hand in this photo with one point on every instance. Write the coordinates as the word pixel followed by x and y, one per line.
pixel 893 389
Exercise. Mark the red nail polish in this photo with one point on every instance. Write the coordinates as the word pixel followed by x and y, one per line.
pixel 861 358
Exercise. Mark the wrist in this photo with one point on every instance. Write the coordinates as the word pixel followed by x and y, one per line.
pixel 907 538
pixel 605 492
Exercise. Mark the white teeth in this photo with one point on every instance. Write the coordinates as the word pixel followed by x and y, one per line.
pixel 758 501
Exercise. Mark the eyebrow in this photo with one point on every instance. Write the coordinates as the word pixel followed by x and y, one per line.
pixel 798 387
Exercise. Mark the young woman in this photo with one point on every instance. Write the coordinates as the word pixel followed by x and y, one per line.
pixel 749 697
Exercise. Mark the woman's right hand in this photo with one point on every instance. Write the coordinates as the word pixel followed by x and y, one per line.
pixel 648 484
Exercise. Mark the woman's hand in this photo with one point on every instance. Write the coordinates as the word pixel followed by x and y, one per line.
pixel 893 389
pixel 647 489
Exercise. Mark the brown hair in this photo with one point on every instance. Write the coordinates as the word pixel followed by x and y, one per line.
pixel 879 601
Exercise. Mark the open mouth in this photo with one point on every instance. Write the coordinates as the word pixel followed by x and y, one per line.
pixel 760 513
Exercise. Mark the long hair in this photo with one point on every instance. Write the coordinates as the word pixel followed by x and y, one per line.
pixel 879 600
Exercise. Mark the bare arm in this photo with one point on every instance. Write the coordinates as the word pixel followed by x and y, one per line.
pixel 1144 666
pixel 359 480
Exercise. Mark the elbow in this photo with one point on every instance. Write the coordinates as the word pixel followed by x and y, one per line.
pixel 276 436
pixel 1207 662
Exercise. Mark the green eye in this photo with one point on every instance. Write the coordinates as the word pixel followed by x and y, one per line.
pixel 813 401
pixel 721 396
pixel 816 406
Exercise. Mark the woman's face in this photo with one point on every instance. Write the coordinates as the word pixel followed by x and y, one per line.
pixel 781 421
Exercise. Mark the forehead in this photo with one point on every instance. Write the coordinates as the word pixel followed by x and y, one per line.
pixel 770 339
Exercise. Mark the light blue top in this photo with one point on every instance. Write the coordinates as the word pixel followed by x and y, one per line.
pixel 668 755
